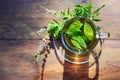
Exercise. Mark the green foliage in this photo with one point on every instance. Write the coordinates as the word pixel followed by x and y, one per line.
pixel 95 13
pixel 74 28
pixel 88 31
pixel 83 10
pixel 75 34
pixel 79 32
pixel 54 28
pixel 66 15
pixel 80 40
pixel 76 44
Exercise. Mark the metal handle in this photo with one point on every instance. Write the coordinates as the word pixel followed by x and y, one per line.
pixel 102 35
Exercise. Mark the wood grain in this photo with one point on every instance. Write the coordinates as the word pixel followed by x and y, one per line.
pixel 18 62
pixel 20 18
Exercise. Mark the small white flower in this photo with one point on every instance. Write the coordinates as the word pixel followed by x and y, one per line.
pixel 41 45
pixel 50 11
pixel 41 30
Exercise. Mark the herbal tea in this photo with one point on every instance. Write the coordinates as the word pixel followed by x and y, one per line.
pixel 80 34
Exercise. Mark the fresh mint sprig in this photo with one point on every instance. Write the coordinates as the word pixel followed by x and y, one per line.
pixel 54 28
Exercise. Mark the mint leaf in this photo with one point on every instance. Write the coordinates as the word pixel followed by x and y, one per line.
pixel 87 10
pixel 85 38
pixel 58 31
pixel 66 15
pixel 83 10
pixel 52 26
pixel 74 32
pixel 76 44
pixel 88 31
pixel 78 10
pixel 96 13
pixel 89 6
pixel 74 28
pixel 80 40
pixel 96 19
pixel 76 24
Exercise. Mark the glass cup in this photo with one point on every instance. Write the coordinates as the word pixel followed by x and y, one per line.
pixel 75 55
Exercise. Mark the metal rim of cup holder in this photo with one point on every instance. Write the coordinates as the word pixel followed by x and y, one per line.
pixel 58 53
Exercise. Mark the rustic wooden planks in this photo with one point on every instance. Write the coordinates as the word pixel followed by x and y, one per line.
pixel 18 62
pixel 19 18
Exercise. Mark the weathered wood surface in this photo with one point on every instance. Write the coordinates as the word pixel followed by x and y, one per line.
pixel 19 18
pixel 17 62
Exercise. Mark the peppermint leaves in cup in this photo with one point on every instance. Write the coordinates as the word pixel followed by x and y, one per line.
pixel 55 28
pixel 81 33
pixel 88 31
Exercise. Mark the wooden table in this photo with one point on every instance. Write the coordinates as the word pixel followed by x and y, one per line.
pixel 20 18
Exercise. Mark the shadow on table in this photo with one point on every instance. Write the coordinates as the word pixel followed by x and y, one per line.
pixel 80 71
pixel 40 70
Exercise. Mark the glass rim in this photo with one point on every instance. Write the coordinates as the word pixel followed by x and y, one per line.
pixel 72 49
